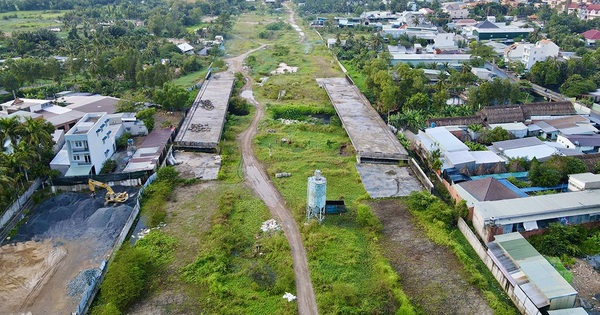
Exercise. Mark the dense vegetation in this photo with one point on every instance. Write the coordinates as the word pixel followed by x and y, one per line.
pixel 567 241
pixel 26 149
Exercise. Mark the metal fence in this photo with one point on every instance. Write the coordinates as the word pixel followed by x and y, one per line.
pixel 77 180
pixel 92 290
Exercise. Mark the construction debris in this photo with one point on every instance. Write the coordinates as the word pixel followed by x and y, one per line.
pixel 270 225
pixel 288 296
pixel 207 104
pixel 145 232
pixel 199 128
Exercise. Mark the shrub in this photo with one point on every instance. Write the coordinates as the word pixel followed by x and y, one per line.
pixel 420 201
pixel 519 183
pixel 559 240
pixel 132 271
pixel 108 166
pixel 126 277
pixel 239 106
pixel 366 218
pixel 121 141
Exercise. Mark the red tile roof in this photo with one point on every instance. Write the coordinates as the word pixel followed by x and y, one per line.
pixel 588 6
pixel 591 34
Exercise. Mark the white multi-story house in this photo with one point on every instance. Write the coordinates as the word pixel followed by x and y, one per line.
pixel 91 142
pixel 541 51
pixel 585 11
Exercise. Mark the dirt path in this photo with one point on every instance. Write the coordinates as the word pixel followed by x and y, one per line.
pixel 257 178
pixel 430 274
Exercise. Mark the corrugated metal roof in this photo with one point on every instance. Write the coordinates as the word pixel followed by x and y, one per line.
pixel 540 207
pixel 537 269
pixel 446 140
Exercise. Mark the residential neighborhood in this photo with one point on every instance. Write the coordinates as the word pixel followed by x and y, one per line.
pixel 299 157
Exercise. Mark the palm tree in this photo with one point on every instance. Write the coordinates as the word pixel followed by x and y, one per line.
pixel 36 134
pixel 9 134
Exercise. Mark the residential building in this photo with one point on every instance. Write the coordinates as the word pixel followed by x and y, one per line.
pixel 565 125
pixel 456 11
pixel 585 11
pixel 487 30
pixel 591 37
pixel 413 56
pixel 514 52
pixel 186 48
pixel 485 189
pixel 517 129
pixel 483 73
pixel 464 22
pixel 541 51
pixel 535 276
pixel 528 148
pixel 582 143
pixel 426 11
pixel 73 107
pixel 491 218
pixel 91 142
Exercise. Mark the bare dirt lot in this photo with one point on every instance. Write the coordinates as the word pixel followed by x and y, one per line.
pixel 586 281
pixel 47 267
pixel 430 274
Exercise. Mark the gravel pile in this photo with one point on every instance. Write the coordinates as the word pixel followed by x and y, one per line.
pixel 82 281
pixel 72 216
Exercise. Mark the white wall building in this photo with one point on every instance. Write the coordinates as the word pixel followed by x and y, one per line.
pixel 541 51
pixel 91 142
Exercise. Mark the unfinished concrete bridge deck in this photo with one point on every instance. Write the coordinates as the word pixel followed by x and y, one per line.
pixel 203 126
pixel 372 139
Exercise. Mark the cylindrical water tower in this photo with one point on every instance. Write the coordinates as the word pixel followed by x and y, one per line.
pixel 317 187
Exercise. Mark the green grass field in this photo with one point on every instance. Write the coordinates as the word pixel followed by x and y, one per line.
pixel 189 80
pixel 29 20
pixel 348 272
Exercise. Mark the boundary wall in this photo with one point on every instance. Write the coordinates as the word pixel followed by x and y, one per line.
pixel 420 175
pixel 12 212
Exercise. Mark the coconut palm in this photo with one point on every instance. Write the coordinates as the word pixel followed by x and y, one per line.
pixel 9 134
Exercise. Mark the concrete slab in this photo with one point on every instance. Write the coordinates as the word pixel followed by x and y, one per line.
pixel 370 136
pixel 199 165
pixel 383 180
pixel 203 126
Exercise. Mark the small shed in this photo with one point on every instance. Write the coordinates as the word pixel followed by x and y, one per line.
pixel 584 181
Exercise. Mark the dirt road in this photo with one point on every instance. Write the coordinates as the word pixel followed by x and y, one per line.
pixel 257 178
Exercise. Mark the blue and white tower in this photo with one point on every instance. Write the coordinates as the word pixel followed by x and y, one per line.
pixel 317 188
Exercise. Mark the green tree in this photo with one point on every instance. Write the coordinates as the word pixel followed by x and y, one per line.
pixel 576 85
pixel 172 97
pixel 147 116
pixel 488 136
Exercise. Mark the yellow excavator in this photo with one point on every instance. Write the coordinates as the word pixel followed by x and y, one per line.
pixel 111 196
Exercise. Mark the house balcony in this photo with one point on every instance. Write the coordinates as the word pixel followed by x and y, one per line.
pixel 80 149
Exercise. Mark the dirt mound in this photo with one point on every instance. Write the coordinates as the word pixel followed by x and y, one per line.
pixel 52 259
pixel 23 267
